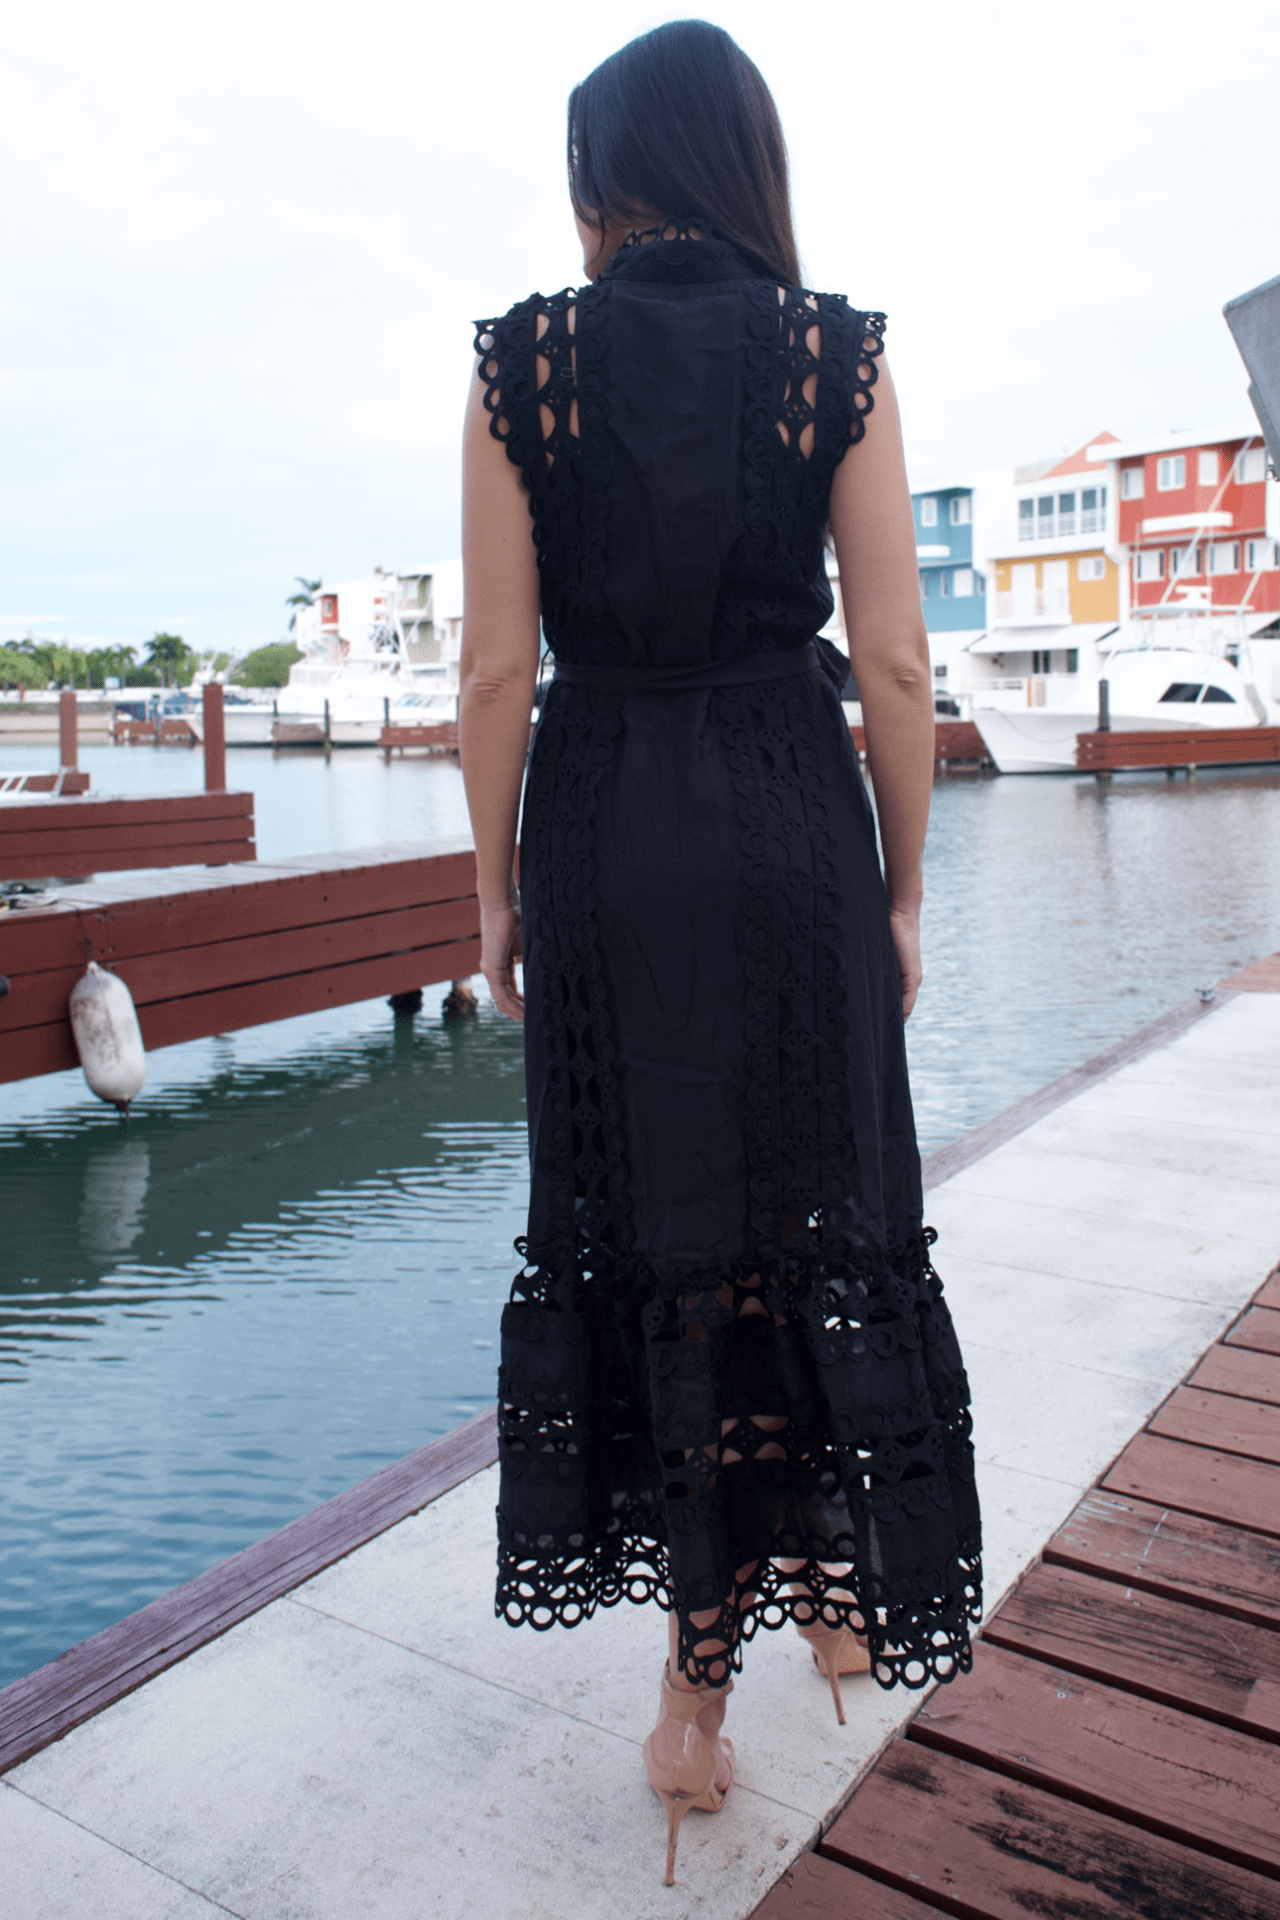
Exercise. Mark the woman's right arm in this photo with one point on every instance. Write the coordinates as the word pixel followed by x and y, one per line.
pixel 875 541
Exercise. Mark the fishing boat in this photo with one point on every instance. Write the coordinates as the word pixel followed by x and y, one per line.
pixel 384 648
pixel 1153 676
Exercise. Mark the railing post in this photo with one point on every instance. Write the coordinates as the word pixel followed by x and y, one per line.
pixel 215 740
pixel 68 729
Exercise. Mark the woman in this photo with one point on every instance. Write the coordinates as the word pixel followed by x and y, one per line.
pixel 729 1382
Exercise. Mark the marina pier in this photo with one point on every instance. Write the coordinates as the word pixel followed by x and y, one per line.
pixel 335 1710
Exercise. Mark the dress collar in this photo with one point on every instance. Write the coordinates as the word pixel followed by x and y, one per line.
pixel 680 250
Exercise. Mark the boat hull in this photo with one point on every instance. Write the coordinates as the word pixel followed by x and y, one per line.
pixel 1043 740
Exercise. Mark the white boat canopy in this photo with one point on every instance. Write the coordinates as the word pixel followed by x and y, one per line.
pixel 1083 633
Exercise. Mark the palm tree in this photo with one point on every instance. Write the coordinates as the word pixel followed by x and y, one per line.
pixel 310 588
pixel 170 653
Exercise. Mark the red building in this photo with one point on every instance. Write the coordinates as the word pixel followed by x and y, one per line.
pixel 1198 520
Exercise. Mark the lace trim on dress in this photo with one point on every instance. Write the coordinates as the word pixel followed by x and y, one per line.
pixel 829 1493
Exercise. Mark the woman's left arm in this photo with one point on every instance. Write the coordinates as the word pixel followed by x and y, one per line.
pixel 499 668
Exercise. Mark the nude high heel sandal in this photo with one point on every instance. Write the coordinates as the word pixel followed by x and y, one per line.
pixel 836 1650
pixel 685 1760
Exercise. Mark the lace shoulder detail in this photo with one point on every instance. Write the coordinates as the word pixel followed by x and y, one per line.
pixel 854 342
pixel 524 362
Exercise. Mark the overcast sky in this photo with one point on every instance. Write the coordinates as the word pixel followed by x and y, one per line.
pixel 242 245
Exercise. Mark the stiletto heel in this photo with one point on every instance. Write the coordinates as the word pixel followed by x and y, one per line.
pixel 836 1650
pixel 685 1757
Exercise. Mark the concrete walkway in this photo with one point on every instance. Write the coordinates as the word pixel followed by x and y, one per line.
pixel 374 1744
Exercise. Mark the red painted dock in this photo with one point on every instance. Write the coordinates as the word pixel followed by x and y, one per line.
pixel 84 834
pixel 1178 747
pixel 441 738
pixel 1116 1750
pixel 237 948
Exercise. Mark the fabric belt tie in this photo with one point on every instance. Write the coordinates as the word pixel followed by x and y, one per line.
pixel 814 655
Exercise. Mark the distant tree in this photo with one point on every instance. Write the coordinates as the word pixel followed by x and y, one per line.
pixel 266 666
pixel 19 666
pixel 172 658
pixel 306 598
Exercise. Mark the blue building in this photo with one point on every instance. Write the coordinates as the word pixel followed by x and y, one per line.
pixel 952 591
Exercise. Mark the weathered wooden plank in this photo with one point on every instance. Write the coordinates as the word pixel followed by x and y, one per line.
pixel 44 1705
pixel 1225 1421
pixel 1221 1486
pixel 1254 1376
pixel 50 1049
pixel 37 998
pixel 1178 1555
pixel 1258 1330
pixel 818 1889
pixel 1262 978
pixel 57 846
pixel 1268 1294
pixel 987 1848
pixel 1179 747
pixel 96 860
pixel 1155 1766
pixel 114 810
pixel 1227 1670
pixel 168 1022
pixel 126 918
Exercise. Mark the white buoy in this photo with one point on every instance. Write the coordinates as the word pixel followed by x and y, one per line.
pixel 108 1038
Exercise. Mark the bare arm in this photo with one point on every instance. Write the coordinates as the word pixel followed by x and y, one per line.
pixel 875 540
pixel 499 667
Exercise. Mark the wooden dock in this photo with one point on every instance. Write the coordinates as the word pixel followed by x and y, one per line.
pixel 1116 1749
pixel 441 738
pixel 238 948
pixel 84 834
pixel 1176 747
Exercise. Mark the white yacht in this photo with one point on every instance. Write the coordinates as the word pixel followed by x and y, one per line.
pixel 1159 676
pixel 385 647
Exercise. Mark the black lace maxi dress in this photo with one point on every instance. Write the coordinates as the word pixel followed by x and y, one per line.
pixel 728 1347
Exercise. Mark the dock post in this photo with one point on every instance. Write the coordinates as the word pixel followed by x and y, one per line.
pixel 68 729
pixel 215 739
pixel 328 735
pixel 386 729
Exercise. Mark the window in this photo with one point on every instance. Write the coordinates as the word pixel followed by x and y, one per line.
pixel 1073 659
pixel 1218 696
pixel 924 586
pixel 1066 513
pixel 1224 556
pixel 1207 470
pixel 1026 519
pixel 1041 660
pixel 963 583
pixel 940 672
pixel 928 511
pixel 1150 563
pixel 944 584
pixel 961 510
pixel 1171 472
pixel 1091 566
pixel 1183 693
pixel 1260 554
pixel 1089 511
pixel 979 582
pixel 1044 515
pixel 1251 465
pixel 1133 483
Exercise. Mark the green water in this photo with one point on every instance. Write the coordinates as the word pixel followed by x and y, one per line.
pixel 288 1270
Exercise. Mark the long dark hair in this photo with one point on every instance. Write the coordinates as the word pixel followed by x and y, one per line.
pixel 680 124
